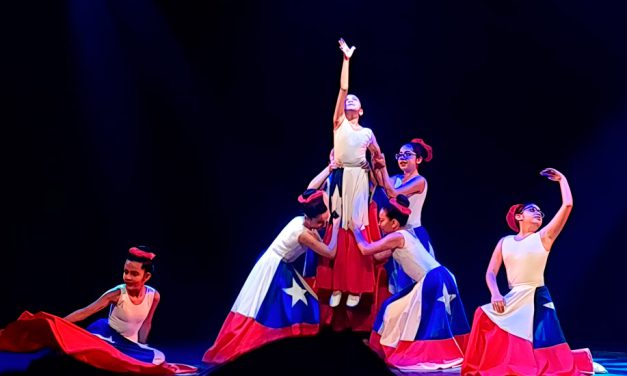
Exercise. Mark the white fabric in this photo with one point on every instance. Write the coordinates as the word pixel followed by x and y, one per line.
pixel 284 248
pixel 353 203
pixel 286 244
pixel 402 318
pixel 524 260
pixel 127 318
pixel 350 145
pixel 517 319
pixel 416 202
pixel 413 257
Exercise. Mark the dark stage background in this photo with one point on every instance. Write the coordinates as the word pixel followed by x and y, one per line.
pixel 192 128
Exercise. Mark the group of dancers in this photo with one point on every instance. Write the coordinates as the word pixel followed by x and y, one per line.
pixel 376 272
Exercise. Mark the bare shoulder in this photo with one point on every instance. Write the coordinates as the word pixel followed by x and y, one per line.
pixel 112 295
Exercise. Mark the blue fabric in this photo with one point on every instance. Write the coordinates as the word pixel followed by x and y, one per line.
pixel 276 310
pixel 126 346
pixel 546 327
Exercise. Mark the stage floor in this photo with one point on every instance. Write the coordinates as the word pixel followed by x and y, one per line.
pixel 324 355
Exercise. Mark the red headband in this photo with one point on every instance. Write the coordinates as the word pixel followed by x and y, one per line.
pixel 428 149
pixel 141 254
pixel 510 217
pixel 403 209
pixel 311 197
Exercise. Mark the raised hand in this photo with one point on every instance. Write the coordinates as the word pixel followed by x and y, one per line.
pixel 552 174
pixel 348 51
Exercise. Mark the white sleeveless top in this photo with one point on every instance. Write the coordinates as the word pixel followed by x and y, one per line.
pixel 416 201
pixel 524 260
pixel 350 145
pixel 127 318
pixel 286 243
pixel 413 257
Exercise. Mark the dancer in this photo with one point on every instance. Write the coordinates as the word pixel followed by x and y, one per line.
pixel 116 344
pixel 275 302
pixel 422 327
pixel 519 333
pixel 413 185
pixel 353 273
pixel 133 305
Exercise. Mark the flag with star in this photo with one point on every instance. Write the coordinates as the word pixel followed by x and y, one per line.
pixel 275 302
pixel 424 326
pixel 528 338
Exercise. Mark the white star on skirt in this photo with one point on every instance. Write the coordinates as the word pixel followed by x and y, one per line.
pixel 296 292
pixel 446 298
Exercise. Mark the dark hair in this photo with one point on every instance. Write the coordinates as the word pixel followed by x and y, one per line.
pixel 315 207
pixel 147 264
pixel 421 148
pixel 394 213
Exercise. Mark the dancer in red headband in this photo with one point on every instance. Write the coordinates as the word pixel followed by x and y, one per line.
pixel 117 343
pixel 413 185
pixel 519 333
pixel 422 327
pixel 275 301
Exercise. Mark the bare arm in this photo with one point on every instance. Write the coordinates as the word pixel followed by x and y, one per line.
pixel 311 240
pixel 374 148
pixel 320 179
pixel 387 243
pixel 382 255
pixel 550 232
pixel 338 115
pixel 102 302
pixel 490 277
pixel 413 186
pixel 147 324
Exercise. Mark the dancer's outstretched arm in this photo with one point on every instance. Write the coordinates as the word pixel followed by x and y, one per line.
pixel 110 297
pixel 338 116
pixel 549 233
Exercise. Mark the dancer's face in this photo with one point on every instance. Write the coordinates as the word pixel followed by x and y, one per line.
pixel 352 103
pixel 320 221
pixel 386 224
pixel 134 276
pixel 531 214
pixel 407 159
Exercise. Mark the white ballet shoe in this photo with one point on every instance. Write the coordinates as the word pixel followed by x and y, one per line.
pixel 597 368
pixel 334 301
pixel 352 300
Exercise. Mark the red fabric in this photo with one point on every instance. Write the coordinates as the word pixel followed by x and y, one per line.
pixel 141 254
pixel 510 217
pixel 428 148
pixel 43 330
pixel 352 271
pixel 493 351
pixel 361 317
pixel 446 352
pixel 311 197
pixel 241 334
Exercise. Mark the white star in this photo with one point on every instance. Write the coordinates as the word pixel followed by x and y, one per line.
pixel 549 305
pixel 446 298
pixel 296 292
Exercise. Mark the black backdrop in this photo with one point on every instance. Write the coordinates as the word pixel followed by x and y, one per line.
pixel 192 127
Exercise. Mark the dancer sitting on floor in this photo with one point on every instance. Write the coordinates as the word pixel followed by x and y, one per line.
pixel 116 344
